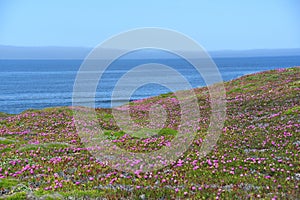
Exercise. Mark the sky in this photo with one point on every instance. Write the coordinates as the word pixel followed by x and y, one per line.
pixel 214 24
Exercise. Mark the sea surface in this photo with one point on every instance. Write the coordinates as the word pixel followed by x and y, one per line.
pixel 36 84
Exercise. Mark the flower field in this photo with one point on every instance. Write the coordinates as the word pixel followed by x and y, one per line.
pixel 256 157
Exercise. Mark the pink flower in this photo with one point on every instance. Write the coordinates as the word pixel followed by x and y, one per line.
pixel 209 162
pixel 179 163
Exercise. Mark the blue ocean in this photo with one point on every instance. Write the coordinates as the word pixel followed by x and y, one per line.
pixel 36 84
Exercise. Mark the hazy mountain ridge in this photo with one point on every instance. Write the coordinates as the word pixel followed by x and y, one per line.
pixel 55 52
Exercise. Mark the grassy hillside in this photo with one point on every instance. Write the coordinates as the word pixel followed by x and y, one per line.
pixel 257 155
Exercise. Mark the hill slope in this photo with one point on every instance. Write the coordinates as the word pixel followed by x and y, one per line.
pixel 257 156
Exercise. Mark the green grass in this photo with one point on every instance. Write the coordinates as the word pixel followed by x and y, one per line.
pixel 169 94
pixel 5 150
pixel 144 133
pixel 235 90
pixel 8 183
pixel 2 114
pixel 56 145
pixel 6 141
pixel 293 111
pixel 112 135
pixel 167 131
pixel 31 147
pixel 46 146
pixel 16 196
pixel 87 194
pixel 141 133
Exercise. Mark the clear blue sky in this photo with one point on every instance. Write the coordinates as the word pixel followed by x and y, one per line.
pixel 215 24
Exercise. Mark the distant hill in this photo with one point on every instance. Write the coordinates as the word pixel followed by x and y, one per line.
pixel 53 52
pixel 256 53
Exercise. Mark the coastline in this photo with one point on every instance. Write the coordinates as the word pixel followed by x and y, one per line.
pixel 6 114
